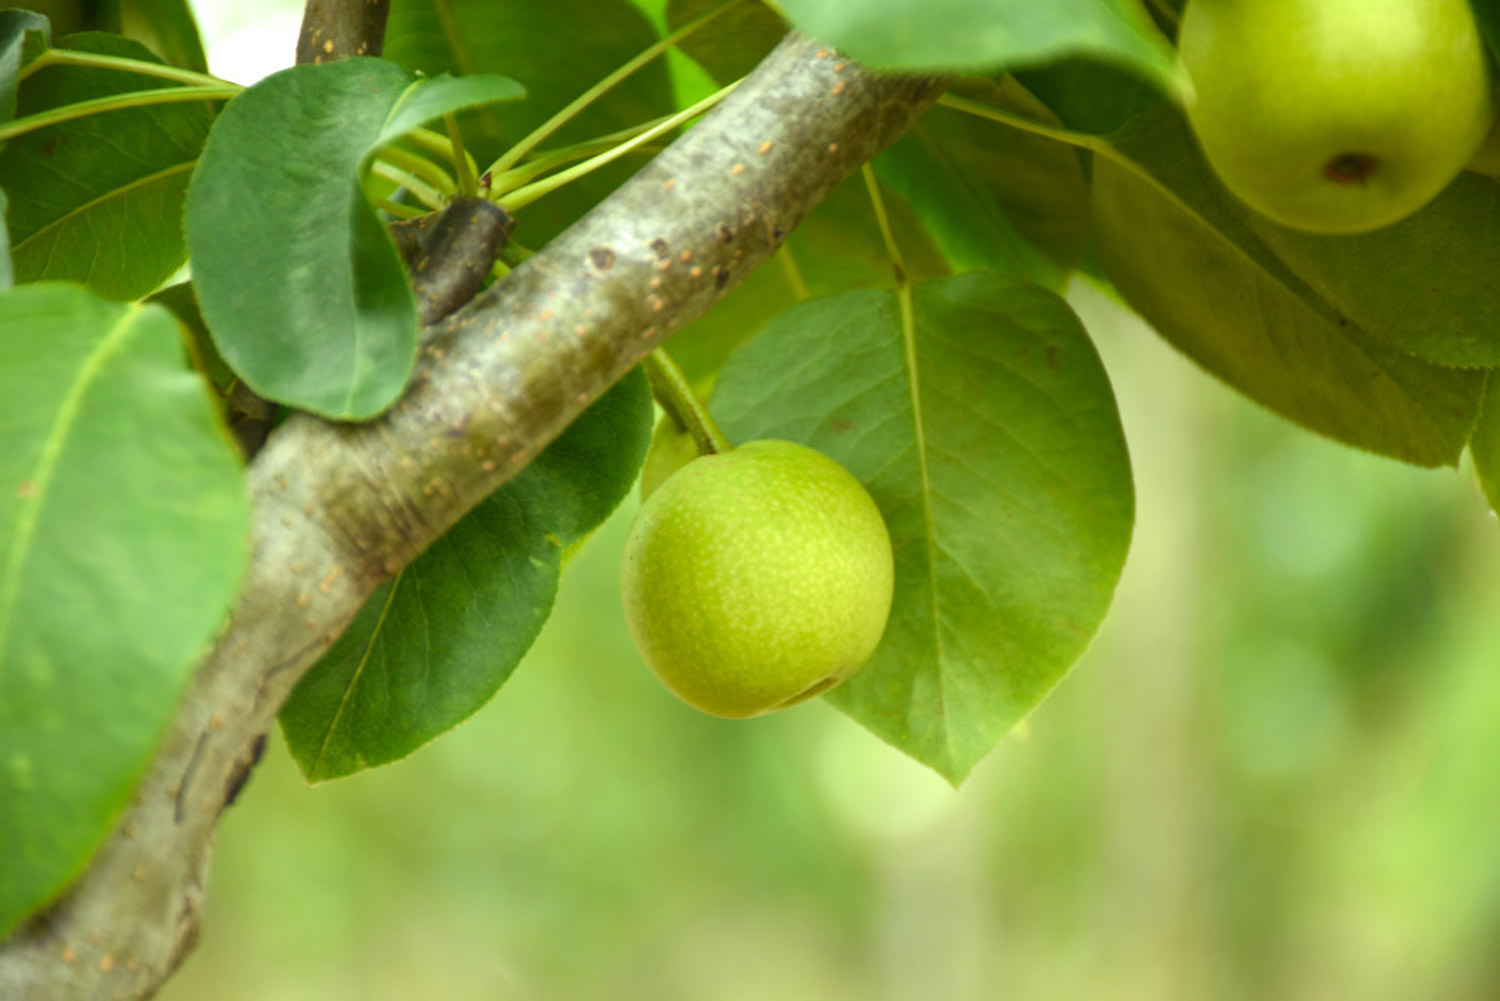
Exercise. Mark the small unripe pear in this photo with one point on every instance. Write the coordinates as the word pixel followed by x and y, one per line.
pixel 757 578
pixel 1336 116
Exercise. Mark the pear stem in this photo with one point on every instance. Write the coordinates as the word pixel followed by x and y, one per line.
pixel 675 394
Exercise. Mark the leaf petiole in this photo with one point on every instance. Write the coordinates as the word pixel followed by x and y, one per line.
pixel 675 394
pixel 420 189
pixel 433 176
pixel 1082 140
pixel 516 153
pixel 116 102
pixel 524 196
pixel 529 171
pixel 463 164
pixel 70 57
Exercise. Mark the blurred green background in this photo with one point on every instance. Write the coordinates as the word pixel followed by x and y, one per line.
pixel 1274 775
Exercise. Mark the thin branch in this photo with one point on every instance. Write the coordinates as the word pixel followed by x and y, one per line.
pixel 454 255
pixel 339 508
pixel 336 29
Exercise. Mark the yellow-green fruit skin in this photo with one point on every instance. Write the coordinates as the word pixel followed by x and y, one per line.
pixel 1336 116
pixel 757 578
pixel 671 449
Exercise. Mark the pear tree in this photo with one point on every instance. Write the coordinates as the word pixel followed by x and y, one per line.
pixel 342 366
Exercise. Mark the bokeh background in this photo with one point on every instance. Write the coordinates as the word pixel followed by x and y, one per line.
pixel 1275 775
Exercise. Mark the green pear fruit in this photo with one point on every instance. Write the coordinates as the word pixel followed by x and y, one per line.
pixel 671 449
pixel 757 578
pixel 1336 116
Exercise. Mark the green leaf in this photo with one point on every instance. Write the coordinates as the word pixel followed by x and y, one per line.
pixel 167 28
pixel 182 302
pixel 733 43
pixel 989 34
pixel 7 273
pixel 1487 14
pixel 1089 96
pixel 296 277
pixel 989 438
pixel 993 197
pixel 432 646
pixel 123 519
pixel 1484 446
pixel 557 50
pixel 1442 307
pixel 836 248
pixel 1178 249
pixel 98 200
pixel 23 36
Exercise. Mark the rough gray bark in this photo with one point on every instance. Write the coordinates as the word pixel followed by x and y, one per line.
pixel 338 508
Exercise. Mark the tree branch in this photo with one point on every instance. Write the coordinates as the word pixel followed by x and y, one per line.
pixel 335 29
pixel 338 508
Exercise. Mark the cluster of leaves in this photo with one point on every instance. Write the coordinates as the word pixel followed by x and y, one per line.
pixel 918 337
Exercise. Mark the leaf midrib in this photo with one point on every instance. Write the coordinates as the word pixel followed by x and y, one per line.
pixel 907 308
pixel 1284 278
pixel 364 660
pixel 47 460
pixel 77 212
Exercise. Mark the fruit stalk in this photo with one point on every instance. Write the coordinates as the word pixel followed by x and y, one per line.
pixel 676 397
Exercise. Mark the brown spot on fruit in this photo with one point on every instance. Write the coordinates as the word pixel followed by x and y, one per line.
pixel 1351 168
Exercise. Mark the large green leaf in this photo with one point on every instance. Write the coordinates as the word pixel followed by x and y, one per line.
pixel 432 646
pixel 1484 446
pixel 123 519
pixel 1178 248
pixel 993 197
pixel 98 200
pixel 989 34
pixel 836 248
pixel 1425 285
pixel 1089 96
pixel 988 435
pixel 7 273
pixel 557 49
pixel 730 45
pixel 167 28
pixel 23 35
pixel 295 274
